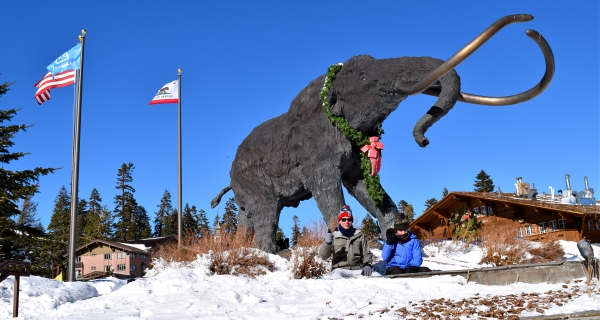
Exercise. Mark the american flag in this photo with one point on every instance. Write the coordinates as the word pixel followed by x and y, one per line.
pixel 60 80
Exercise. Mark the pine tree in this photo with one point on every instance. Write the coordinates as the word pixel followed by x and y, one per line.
pixel 58 231
pixel 483 182
pixel 171 226
pixel 27 216
pixel 279 235
pixel 217 223
pixel 164 210
pixel 369 228
pixel 295 231
pixel 229 217
pixel 99 220
pixel 190 219
pixel 81 222
pixel 203 224
pixel 429 203
pixel 402 206
pixel 126 205
pixel 15 186
pixel 409 212
pixel 444 192
pixel 142 221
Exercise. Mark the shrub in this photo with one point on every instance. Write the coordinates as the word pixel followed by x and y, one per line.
pixel 305 262
pixel 502 246
pixel 234 254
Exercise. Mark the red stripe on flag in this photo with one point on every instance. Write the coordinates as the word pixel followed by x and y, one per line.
pixel 163 101
pixel 60 80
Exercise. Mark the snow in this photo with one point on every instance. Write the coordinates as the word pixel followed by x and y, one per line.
pixel 137 246
pixel 189 291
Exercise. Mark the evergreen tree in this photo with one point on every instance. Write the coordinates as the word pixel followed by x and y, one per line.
pixel 483 182
pixel 409 213
pixel 203 224
pixel 142 222
pixel 126 205
pixel 279 235
pixel 217 223
pixel 15 186
pixel 99 220
pixel 164 210
pixel 295 231
pixel 82 220
pixel 402 206
pixel 171 226
pixel 230 217
pixel 429 203
pixel 369 228
pixel 444 192
pixel 27 216
pixel 190 219
pixel 58 231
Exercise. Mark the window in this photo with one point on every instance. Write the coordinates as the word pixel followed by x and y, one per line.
pixel 108 256
pixel 143 266
pixel 562 223
pixel 77 273
pixel 489 210
pixel 542 227
pixel 121 255
pixel 142 256
pixel 78 259
pixel 132 267
pixel 121 267
pixel 93 268
pixel 529 230
pixel 132 255
pixel 442 222
pixel 597 225
pixel 483 211
pixel 552 225
pixel 93 254
pixel 107 268
pixel 520 232
pixel 590 224
pixel 476 211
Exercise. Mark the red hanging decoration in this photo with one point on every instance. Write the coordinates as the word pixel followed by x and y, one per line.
pixel 373 151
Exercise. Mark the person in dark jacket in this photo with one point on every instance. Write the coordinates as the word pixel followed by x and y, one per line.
pixel 351 254
pixel 402 249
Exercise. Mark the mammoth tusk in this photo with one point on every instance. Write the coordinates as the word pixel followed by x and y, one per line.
pixel 517 98
pixel 461 55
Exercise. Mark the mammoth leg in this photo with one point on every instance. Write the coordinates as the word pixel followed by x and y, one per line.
pixel 329 198
pixel 450 84
pixel 261 218
pixel 386 212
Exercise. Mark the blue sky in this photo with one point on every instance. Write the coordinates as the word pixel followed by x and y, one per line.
pixel 244 61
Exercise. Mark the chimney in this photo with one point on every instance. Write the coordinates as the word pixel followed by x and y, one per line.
pixel 585 181
pixel 567 176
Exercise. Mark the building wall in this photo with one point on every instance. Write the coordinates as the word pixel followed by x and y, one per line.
pixel 534 224
pixel 95 258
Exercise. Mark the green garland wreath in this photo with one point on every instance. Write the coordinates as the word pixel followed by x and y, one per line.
pixel 374 189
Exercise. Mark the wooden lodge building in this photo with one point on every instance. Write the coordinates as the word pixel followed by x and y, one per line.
pixel 534 217
pixel 126 260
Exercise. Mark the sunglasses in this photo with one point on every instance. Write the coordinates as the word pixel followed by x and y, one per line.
pixel 345 219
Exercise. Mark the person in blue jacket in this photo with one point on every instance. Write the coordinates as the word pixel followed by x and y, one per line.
pixel 402 249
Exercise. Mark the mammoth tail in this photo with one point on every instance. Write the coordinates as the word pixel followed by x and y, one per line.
pixel 217 199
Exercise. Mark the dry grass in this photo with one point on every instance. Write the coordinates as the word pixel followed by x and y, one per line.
pixel 305 262
pixel 229 254
pixel 502 246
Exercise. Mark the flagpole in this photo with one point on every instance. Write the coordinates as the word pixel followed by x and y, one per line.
pixel 75 167
pixel 179 202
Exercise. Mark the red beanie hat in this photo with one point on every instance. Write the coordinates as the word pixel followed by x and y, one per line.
pixel 345 212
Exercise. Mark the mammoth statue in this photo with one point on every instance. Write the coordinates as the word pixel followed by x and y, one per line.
pixel 300 154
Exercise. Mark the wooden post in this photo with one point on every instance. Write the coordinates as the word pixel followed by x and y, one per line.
pixel 16 297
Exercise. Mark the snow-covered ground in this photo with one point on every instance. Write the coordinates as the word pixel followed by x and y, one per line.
pixel 174 291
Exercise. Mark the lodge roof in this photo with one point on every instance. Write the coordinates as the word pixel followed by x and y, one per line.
pixel 542 202
pixel 130 246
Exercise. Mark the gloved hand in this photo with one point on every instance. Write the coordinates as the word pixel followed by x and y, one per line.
pixel 367 270
pixel 329 238
pixel 413 269
pixel 390 236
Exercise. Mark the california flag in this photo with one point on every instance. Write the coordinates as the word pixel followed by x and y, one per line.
pixel 169 93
